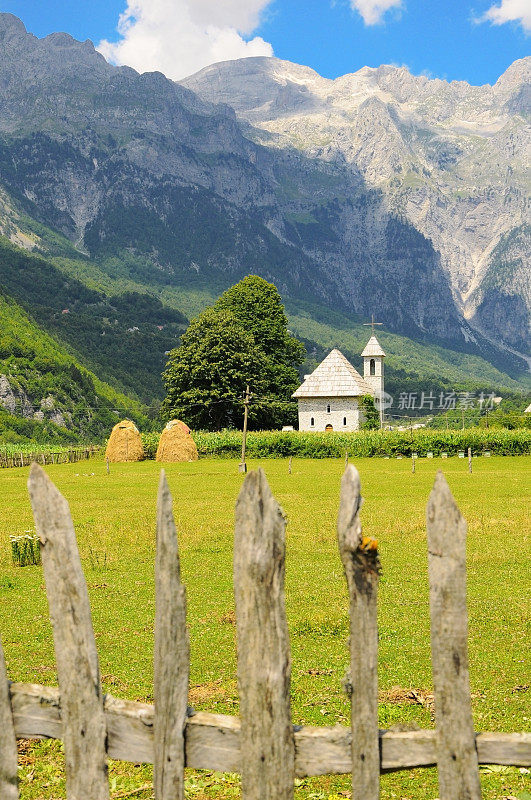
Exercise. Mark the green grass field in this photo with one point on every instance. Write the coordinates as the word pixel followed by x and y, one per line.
pixel 114 518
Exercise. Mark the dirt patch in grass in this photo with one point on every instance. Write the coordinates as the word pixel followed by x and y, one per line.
pixel 228 618
pixel 25 755
pixel 408 697
pixel 399 696
pixel 213 690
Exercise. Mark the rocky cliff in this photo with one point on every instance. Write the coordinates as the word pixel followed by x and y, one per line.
pixel 450 158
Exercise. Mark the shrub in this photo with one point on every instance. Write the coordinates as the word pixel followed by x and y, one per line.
pixel 372 418
pixel 150 442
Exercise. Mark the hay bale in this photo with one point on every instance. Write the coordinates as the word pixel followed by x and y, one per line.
pixel 125 443
pixel 176 443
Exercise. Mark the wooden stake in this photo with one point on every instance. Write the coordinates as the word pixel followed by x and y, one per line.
pixel 264 659
pixel 289 465
pixel 172 656
pixel 78 671
pixel 242 466
pixel 8 743
pixel 470 459
pixel 457 758
pixel 361 565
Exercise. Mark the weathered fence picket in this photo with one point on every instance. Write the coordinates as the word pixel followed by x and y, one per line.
pixel 262 745
pixel 8 742
pixel 457 759
pixel 361 565
pixel 172 656
pixel 78 671
pixel 264 659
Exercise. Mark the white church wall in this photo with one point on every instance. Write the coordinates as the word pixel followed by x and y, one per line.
pixel 341 409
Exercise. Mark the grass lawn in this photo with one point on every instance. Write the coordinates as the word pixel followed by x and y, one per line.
pixel 114 518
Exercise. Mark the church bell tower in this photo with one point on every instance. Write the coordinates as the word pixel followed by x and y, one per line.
pixel 373 371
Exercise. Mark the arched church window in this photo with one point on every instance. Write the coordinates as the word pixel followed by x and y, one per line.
pixel 328 408
pixel 344 420
pixel 312 422
pixel 372 367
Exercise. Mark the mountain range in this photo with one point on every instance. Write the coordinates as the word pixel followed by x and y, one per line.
pixel 376 193
pixel 450 158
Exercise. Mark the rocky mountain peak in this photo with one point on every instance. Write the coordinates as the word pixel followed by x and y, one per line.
pixel 514 87
pixel 518 73
pixel 11 26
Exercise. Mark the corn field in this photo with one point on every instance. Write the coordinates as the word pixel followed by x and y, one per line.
pixel 278 444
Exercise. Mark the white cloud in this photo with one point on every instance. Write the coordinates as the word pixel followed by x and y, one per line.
pixel 179 37
pixel 373 11
pixel 510 11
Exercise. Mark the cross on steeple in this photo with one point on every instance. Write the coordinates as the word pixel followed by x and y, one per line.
pixel 372 323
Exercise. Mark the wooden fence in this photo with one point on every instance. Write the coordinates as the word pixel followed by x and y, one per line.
pixel 61 457
pixel 262 744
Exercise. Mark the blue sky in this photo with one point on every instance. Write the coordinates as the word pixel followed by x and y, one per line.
pixel 441 38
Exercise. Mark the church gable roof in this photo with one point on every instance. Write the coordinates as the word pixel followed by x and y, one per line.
pixel 373 348
pixel 334 377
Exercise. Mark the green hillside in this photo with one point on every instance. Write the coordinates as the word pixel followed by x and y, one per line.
pixel 122 338
pixel 116 318
pixel 321 328
pixel 45 391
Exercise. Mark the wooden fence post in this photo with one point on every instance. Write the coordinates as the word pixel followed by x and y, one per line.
pixel 84 731
pixel 457 759
pixel 172 656
pixel 470 459
pixel 361 564
pixel 264 660
pixel 8 743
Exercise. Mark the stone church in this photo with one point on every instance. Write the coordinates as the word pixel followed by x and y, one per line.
pixel 329 398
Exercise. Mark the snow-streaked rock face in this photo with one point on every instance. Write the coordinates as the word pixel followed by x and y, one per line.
pixel 451 157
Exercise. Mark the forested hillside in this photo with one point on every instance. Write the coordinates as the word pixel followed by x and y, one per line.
pixel 123 338
pixel 45 393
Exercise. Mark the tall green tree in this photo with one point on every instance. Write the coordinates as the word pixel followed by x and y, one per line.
pixel 242 340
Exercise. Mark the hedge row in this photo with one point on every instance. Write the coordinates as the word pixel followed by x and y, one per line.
pixel 273 444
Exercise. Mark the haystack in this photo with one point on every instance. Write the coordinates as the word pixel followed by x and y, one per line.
pixel 176 443
pixel 124 443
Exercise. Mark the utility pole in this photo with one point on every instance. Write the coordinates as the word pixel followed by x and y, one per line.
pixel 242 466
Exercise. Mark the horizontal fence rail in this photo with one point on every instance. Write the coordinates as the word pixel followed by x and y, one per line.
pixel 212 741
pixel 262 745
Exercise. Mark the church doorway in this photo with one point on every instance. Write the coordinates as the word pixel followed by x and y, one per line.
pixel 329 427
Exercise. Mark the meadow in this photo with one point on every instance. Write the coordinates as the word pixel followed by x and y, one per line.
pixel 114 517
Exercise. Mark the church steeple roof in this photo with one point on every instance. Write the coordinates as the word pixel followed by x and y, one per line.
pixel 373 348
pixel 334 377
